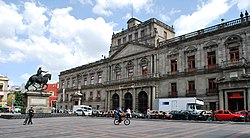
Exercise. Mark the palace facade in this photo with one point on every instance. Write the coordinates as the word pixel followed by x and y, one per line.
pixel 146 61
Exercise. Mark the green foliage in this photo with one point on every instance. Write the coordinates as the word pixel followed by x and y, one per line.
pixel 18 99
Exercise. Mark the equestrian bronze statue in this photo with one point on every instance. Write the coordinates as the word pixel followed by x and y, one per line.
pixel 38 79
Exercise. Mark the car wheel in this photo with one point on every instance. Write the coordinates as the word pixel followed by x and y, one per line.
pixel 235 119
pixel 136 116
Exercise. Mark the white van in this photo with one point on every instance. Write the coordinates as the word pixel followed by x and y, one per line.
pixel 87 110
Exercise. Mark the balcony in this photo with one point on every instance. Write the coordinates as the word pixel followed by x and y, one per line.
pixel 190 93
pixel 98 99
pixel 172 94
pixel 133 79
pixel 233 63
pixel 90 99
pixel 211 92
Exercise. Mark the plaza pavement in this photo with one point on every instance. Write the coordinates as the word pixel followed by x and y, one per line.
pixel 93 127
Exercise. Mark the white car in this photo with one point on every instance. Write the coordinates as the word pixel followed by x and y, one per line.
pixel 83 112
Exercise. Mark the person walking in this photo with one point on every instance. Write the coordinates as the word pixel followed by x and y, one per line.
pixel 128 113
pixel 148 113
pixel 29 118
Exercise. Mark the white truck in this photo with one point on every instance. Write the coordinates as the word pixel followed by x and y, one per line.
pixel 177 104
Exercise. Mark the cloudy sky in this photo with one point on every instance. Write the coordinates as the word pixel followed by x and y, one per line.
pixel 61 34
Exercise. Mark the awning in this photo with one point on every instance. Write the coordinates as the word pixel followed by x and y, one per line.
pixel 235 95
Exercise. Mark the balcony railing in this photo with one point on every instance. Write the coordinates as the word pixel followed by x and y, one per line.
pixel 172 94
pixel 98 99
pixel 134 78
pixel 210 92
pixel 236 22
pixel 233 63
pixel 191 93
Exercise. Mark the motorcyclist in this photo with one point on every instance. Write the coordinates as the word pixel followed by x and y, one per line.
pixel 118 114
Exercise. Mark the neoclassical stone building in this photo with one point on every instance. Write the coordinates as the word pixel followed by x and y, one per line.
pixel 147 62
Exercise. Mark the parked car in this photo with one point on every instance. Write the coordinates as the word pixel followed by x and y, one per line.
pixel 83 112
pixel 137 115
pixel 227 116
pixel 244 112
pixel 204 115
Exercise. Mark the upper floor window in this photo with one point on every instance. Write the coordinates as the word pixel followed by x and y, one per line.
pixel 211 59
pixel 142 33
pixel 79 83
pixel 68 84
pixel 191 62
pixel 212 84
pixel 173 87
pixel 63 85
pixel 124 39
pixel 98 94
pixel 85 81
pixel 99 78
pixel 73 83
pixel 234 54
pixel 130 37
pixel 130 73
pixel 119 41
pixel 191 86
pixel 92 80
pixel 118 75
pixel 144 71
pixel 174 66
pixel 165 35
pixel 1 86
pixel 136 35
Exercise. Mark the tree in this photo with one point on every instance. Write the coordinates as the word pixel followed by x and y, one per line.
pixel 19 99
pixel 10 99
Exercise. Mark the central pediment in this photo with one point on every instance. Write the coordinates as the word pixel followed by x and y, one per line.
pixel 130 50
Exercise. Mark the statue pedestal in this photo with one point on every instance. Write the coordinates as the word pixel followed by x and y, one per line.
pixel 38 100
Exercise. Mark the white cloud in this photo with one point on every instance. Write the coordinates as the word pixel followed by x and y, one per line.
pixel 105 7
pixel 203 16
pixel 164 18
pixel 25 76
pixel 243 4
pixel 54 39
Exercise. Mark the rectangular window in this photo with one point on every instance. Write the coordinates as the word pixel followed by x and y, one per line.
pixel 73 83
pixel 234 54
pixel 173 88
pixel 63 85
pixel 211 59
pixel 144 71
pixel 85 81
pixel 130 37
pixel 118 75
pixel 212 84
pixel 92 80
pixel 124 39
pixel 165 35
pixel 136 35
pixel 99 78
pixel 68 84
pixel 191 87
pixel 79 83
pixel 191 63
pixel 1 86
pixel 130 73
pixel 174 66
pixel 119 41
pixel 142 33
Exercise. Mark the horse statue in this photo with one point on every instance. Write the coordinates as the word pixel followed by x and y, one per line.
pixel 35 80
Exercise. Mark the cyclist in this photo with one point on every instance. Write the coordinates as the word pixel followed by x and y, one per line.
pixel 118 114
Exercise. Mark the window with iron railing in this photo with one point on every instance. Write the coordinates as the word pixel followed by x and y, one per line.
pixel 144 71
pixel 234 55
pixel 174 66
pixel 92 80
pixel 99 78
pixel 173 90
pixel 191 63
pixel 85 81
pixel 211 60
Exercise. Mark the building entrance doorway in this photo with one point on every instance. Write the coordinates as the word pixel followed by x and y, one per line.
pixel 235 101
pixel 128 101
pixel 142 102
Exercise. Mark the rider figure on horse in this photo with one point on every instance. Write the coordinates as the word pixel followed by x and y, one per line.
pixel 39 74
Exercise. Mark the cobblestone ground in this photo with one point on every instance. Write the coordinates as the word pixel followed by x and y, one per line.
pixel 88 127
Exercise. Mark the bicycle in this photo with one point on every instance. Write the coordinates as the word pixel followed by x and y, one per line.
pixel 126 121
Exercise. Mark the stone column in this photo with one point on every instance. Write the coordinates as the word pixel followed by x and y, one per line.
pixel 226 101
pixel 134 93
pixel 149 96
pixel 248 96
pixel 120 98
pixel 221 100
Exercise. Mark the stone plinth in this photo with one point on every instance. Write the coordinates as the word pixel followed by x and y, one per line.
pixel 38 100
